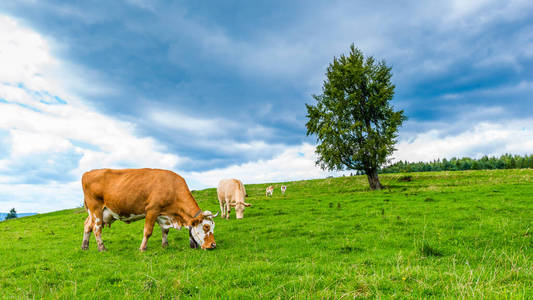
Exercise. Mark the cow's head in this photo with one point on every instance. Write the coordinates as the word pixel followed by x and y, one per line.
pixel 201 232
pixel 239 209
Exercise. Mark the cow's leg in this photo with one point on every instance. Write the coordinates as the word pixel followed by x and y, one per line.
pixel 222 208
pixel 88 228
pixel 148 228
pixel 98 225
pixel 228 209
pixel 164 234
pixel 164 231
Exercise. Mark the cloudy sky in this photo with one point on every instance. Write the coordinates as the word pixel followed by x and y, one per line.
pixel 214 89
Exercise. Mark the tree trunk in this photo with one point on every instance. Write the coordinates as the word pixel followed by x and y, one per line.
pixel 373 180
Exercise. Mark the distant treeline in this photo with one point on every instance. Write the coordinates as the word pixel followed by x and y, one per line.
pixel 506 161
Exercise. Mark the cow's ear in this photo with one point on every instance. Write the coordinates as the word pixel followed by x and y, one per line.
pixel 247 204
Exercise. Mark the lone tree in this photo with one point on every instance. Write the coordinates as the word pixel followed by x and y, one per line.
pixel 12 214
pixel 355 124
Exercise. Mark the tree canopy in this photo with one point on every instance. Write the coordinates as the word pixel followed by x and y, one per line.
pixel 355 124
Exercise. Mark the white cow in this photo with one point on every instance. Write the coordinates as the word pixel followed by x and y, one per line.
pixel 269 191
pixel 283 189
pixel 231 192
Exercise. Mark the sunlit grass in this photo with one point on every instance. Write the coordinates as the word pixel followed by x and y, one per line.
pixel 442 234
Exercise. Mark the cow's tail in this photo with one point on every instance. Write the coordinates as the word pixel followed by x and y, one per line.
pixel 243 189
pixel 83 188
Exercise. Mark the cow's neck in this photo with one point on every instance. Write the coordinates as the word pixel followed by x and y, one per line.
pixel 190 211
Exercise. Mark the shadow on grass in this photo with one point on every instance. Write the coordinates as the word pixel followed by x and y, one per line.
pixel 350 249
pixel 427 250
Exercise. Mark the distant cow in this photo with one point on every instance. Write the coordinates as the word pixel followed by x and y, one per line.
pixel 154 195
pixel 269 191
pixel 231 192
pixel 283 189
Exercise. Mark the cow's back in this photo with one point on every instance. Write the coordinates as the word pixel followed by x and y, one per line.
pixel 232 189
pixel 129 191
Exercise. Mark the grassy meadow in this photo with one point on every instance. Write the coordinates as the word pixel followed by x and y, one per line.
pixel 437 234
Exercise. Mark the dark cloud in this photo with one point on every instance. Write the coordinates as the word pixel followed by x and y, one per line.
pixel 255 64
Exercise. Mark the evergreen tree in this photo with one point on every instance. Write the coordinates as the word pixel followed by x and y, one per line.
pixel 12 214
pixel 505 161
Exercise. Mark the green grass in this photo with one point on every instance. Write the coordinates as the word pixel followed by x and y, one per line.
pixel 443 235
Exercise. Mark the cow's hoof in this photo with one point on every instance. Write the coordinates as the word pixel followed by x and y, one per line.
pixel 84 247
pixel 142 249
pixel 164 245
pixel 101 248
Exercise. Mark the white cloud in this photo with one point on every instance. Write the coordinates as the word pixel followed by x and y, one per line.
pixel 515 137
pixel 23 53
pixel 294 163
pixel 460 8
pixel 218 133
pixel 40 198
pixel 31 142
pixel 185 123
pixel 478 12
pixel 42 119
pixel 250 150
pixel 54 128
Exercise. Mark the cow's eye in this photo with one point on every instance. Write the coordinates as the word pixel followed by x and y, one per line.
pixel 206 227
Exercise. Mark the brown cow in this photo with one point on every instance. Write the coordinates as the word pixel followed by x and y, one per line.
pixel 231 192
pixel 154 195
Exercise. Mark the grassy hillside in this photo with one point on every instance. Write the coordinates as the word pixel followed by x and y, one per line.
pixel 446 234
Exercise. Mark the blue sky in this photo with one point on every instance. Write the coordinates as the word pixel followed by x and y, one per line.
pixel 217 89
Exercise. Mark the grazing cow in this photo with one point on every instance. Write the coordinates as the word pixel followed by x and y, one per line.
pixel 231 192
pixel 269 191
pixel 283 189
pixel 154 195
